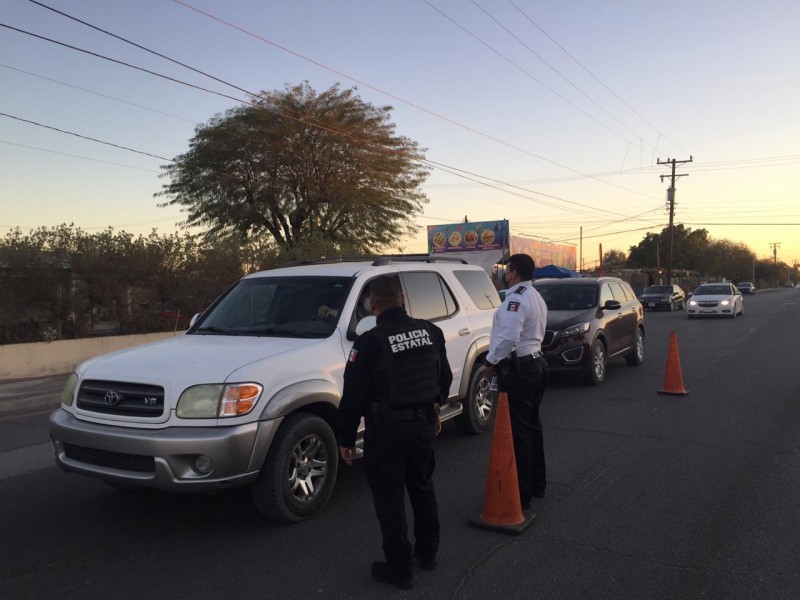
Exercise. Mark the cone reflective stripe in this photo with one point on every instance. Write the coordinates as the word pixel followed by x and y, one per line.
pixel 502 509
pixel 673 377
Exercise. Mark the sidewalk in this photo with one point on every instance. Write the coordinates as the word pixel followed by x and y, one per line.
pixel 22 396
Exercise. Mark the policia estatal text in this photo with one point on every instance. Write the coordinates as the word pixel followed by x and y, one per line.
pixel 397 376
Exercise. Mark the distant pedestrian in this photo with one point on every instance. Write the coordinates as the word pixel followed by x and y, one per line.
pixel 515 355
pixel 396 377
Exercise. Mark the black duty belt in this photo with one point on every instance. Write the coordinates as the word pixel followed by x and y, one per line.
pixel 529 358
pixel 420 413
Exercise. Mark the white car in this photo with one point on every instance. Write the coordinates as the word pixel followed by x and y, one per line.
pixel 715 299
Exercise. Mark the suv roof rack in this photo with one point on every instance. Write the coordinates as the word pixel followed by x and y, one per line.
pixel 377 260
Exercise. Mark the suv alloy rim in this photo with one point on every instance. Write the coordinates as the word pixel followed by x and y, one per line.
pixel 484 400
pixel 308 468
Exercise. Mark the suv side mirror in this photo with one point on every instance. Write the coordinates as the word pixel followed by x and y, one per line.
pixel 612 305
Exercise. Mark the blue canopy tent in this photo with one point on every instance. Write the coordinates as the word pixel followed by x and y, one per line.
pixel 554 271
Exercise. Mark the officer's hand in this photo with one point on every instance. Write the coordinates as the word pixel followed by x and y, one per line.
pixel 491 369
pixel 347 454
pixel 437 425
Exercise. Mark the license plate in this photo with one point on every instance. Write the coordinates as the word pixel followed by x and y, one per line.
pixel 651 305
pixel 707 311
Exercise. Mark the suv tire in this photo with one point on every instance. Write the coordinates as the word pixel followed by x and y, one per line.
pixel 303 452
pixel 596 369
pixel 479 403
pixel 636 356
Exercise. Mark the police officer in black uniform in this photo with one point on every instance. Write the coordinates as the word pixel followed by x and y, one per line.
pixel 396 377
pixel 515 355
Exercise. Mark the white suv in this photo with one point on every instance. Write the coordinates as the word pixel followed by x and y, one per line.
pixel 248 395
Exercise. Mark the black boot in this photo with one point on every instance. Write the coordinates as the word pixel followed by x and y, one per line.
pixel 383 572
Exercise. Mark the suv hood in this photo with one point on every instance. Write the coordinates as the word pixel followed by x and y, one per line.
pixel 559 319
pixel 183 357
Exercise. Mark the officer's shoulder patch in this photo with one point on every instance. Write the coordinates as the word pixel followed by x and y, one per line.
pixel 513 306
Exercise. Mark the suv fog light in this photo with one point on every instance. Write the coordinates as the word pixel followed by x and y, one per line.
pixel 203 464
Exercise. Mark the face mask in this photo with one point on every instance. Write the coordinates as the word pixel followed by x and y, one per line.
pixel 367 306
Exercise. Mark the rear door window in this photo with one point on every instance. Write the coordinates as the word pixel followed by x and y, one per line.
pixel 479 287
pixel 427 296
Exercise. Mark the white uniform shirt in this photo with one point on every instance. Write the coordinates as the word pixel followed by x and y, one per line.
pixel 518 324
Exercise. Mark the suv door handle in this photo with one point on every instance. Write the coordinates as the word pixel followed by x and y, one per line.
pixel 464 332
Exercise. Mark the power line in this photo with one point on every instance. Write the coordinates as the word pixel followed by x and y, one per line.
pixel 303 120
pixel 394 97
pixel 597 79
pixel 560 74
pixel 522 70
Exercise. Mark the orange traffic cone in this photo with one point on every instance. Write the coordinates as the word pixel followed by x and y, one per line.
pixel 502 510
pixel 673 378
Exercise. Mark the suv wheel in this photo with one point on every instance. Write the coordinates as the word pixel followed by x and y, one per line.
pixel 298 476
pixel 479 403
pixel 596 372
pixel 636 356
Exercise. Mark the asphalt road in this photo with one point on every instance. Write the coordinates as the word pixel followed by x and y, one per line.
pixel 650 496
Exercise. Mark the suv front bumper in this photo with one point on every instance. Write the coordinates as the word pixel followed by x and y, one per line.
pixel 170 459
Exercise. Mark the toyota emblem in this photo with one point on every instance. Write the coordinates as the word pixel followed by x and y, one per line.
pixel 112 398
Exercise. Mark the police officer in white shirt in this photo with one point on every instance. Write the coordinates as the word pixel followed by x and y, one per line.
pixel 515 356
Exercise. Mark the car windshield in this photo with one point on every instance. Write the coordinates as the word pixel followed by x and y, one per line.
pixel 744 284
pixel 278 306
pixel 568 297
pixel 659 289
pixel 713 290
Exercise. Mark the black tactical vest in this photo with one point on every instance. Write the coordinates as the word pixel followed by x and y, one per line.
pixel 408 372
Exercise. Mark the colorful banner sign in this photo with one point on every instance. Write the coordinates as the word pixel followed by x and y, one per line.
pixel 545 253
pixel 464 237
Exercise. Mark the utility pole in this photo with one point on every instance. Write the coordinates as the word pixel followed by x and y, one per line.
pixel 671 199
pixel 580 261
pixel 775 246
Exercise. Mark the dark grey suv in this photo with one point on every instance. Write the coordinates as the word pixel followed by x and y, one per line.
pixel 591 320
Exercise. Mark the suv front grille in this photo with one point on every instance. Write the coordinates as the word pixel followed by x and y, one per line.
pixel 113 460
pixel 121 398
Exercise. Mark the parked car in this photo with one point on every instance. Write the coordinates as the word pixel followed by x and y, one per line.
pixel 248 396
pixel 590 321
pixel 715 299
pixel 667 297
pixel 746 287
pixel 788 284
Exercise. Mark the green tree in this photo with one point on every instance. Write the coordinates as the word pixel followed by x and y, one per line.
pixel 615 259
pixel 297 165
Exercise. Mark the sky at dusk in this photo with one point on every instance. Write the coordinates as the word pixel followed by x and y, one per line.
pixel 552 115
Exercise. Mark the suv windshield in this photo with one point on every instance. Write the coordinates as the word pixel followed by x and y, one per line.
pixel 278 306
pixel 568 297
pixel 659 289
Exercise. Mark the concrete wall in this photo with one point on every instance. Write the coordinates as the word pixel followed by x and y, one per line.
pixel 19 361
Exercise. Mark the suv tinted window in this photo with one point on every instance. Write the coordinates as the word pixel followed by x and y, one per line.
pixel 479 287
pixel 617 292
pixel 605 294
pixel 427 296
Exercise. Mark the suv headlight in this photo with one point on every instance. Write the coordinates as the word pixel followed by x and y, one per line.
pixel 210 401
pixel 574 330
pixel 725 302
pixel 68 393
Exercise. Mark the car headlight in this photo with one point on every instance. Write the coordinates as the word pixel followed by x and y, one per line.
pixel 210 401
pixel 574 330
pixel 68 393
pixel 725 302
pixel 692 302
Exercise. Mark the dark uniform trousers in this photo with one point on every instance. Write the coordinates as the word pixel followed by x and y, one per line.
pixel 525 390
pixel 396 456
